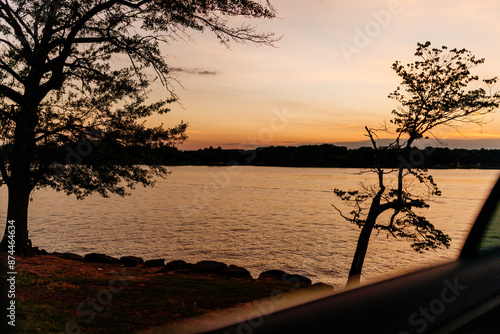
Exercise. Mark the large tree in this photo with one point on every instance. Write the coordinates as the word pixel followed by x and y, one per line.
pixel 438 89
pixel 75 77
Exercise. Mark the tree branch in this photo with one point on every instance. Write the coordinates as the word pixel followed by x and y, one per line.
pixel 3 170
pixel 11 20
pixel 11 94
pixel 10 70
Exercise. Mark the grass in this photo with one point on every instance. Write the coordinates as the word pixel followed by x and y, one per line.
pixel 100 301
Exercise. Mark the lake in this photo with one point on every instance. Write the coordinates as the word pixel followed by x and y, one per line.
pixel 260 218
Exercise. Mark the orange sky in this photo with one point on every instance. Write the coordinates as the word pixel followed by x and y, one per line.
pixel 324 81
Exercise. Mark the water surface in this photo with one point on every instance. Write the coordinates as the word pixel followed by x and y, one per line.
pixel 258 217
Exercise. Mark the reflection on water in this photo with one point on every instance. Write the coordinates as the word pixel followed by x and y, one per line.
pixel 258 217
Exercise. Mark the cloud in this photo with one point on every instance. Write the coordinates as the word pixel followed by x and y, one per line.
pixel 208 72
pixel 197 71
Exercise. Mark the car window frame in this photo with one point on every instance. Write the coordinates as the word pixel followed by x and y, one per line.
pixel 471 247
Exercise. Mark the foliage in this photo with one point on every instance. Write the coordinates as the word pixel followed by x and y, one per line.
pixel 403 197
pixel 64 58
pixel 75 73
pixel 435 90
pixel 324 155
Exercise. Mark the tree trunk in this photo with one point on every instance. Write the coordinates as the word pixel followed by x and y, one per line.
pixel 19 182
pixel 17 211
pixel 364 238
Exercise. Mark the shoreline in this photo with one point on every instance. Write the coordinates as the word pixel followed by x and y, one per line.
pixel 56 292
pixel 209 267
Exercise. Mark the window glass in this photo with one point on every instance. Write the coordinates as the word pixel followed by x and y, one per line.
pixel 491 237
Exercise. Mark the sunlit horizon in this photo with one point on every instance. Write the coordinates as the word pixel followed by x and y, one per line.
pixel 331 70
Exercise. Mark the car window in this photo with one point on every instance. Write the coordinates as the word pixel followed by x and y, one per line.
pixel 491 236
pixel 485 233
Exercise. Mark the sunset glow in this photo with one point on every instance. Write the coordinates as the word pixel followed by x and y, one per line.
pixel 331 71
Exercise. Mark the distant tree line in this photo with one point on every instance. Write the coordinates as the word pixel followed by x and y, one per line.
pixel 326 155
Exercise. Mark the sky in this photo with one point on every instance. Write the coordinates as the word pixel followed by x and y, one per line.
pixel 327 77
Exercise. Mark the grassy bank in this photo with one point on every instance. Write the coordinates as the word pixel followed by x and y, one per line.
pixel 57 295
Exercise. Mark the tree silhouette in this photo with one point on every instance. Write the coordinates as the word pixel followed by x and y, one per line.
pixel 77 73
pixel 435 90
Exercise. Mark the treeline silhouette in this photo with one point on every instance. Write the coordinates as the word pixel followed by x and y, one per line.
pixel 328 155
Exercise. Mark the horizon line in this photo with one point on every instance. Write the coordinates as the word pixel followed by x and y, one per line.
pixel 470 144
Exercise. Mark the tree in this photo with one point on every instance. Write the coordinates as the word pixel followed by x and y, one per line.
pixel 435 90
pixel 77 73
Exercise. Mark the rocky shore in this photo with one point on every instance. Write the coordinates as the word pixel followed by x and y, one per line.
pixel 98 293
pixel 205 267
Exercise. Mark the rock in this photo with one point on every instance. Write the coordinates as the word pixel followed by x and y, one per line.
pixel 69 256
pixel 235 272
pixel 131 261
pixel 208 267
pixel 280 275
pixel 303 280
pixel 100 258
pixel 321 286
pixel 273 275
pixel 154 263
pixel 38 251
pixel 177 265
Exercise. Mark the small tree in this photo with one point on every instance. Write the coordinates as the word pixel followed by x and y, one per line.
pixel 76 72
pixel 435 90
